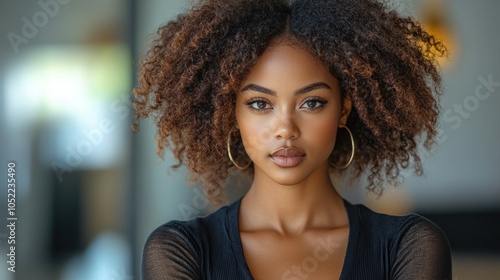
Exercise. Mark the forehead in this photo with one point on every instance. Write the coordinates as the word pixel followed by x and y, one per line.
pixel 287 65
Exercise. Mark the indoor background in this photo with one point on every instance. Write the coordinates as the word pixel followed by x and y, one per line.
pixel 89 191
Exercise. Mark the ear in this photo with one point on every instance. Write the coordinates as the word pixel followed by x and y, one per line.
pixel 346 110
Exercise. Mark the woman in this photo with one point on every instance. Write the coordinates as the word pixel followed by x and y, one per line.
pixel 290 92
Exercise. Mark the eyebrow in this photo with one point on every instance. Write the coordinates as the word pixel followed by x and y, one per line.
pixel 303 90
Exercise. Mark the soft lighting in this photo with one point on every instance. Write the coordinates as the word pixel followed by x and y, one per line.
pixel 77 96
pixel 51 82
pixel 435 21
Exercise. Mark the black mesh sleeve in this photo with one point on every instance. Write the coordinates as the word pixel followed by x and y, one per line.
pixel 423 253
pixel 167 255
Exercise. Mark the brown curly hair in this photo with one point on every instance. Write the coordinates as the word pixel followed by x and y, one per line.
pixel 385 63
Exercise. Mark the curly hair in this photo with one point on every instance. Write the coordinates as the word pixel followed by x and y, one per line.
pixel 385 63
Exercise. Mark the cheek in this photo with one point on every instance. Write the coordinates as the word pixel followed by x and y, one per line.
pixel 255 135
pixel 322 133
pixel 254 129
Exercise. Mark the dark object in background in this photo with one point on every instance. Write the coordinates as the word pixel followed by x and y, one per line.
pixel 470 232
pixel 67 215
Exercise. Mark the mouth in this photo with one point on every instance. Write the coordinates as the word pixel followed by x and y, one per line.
pixel 288 157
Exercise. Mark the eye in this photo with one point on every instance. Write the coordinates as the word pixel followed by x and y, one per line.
pixel 258 104
pixel 314 104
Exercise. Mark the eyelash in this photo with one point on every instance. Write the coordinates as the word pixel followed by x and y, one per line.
pixel 322 102
pixel 253 101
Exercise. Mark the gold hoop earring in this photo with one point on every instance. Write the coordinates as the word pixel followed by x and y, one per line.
pixel 353 149
pixel 231 157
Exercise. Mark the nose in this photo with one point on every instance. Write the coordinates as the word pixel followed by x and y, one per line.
pixel 286 126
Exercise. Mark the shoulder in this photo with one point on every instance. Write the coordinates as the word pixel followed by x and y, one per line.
pixel 190 232
pixel 422 251
pixel 193 235
pixel 170 253
pixel 394 226
pixel 180 249
pixel 172 234
pixel 414 246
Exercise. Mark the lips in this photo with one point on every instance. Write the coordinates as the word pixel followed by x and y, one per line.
pixel 288 156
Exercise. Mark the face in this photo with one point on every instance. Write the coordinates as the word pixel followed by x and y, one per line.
pixel 288 111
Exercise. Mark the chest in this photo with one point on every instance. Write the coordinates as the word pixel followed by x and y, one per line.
pixel 314 255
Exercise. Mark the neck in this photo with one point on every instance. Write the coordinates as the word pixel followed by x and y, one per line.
pixel 292 209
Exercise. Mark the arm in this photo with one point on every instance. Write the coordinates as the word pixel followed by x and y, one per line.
pixel 167 255
pixel 423 253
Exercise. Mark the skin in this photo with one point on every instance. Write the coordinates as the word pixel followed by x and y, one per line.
pixel 289 212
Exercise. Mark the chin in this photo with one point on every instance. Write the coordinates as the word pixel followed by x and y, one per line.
pixel 288 177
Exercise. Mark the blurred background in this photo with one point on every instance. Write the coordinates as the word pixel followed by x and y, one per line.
pixel 89 191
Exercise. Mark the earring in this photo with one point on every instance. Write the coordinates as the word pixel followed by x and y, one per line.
pixel 231 157
pixel 353 149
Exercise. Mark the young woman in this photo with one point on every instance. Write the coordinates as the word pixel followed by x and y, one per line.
pixel 291 91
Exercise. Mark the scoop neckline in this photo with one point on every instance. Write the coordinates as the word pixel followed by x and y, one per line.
pixel 237 246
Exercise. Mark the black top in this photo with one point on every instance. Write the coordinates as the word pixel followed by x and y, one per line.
pixel 380 247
